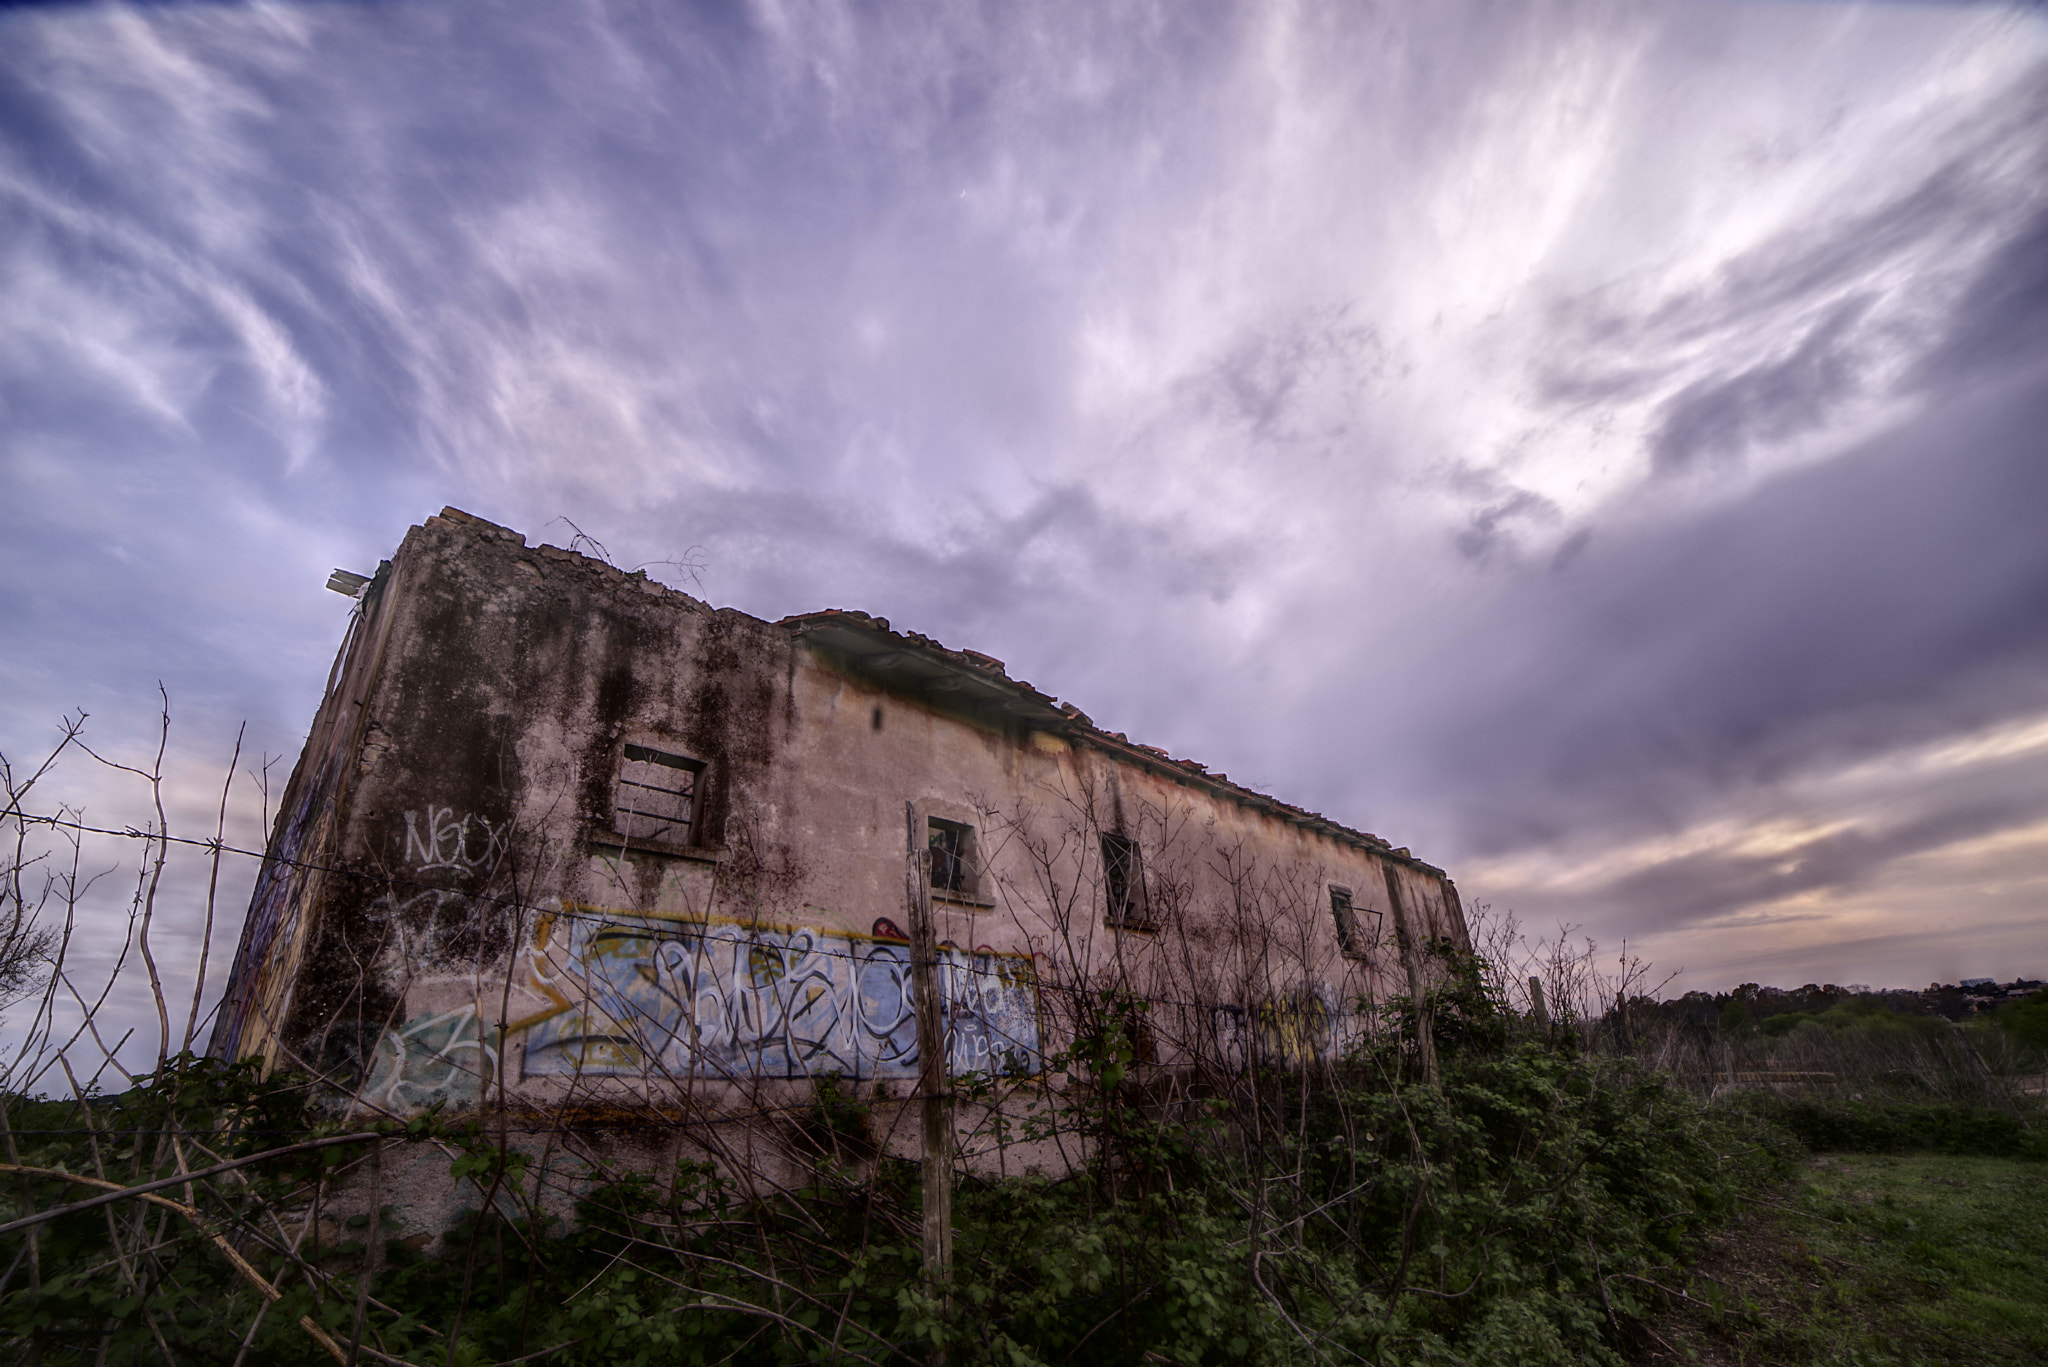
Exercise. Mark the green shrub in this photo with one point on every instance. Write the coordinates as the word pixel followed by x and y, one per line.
pixel 1867 1018
pixel 1827 1126
pixel 2026 1021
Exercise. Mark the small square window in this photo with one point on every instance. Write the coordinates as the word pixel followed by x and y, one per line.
pixel 1123 883
pixel 1358 929
pixel 952 858
pixel 657 795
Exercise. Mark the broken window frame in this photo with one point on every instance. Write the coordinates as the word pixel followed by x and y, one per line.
pixel 644 804
pixel 1124 900
pixel 949 867
pixel 1354 939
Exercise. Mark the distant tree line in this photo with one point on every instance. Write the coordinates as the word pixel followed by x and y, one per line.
pixel 2020 1008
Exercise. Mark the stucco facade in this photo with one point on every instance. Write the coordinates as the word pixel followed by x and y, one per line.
pixel 566 840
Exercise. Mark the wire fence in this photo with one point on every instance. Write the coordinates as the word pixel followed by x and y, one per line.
pixel 1202 1135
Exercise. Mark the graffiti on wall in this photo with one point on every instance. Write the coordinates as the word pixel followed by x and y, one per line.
pixel 439 838
pixel 1305 1025
pixel 444 927
pixel 635 996
pixel 443 1058
pixel 990 1005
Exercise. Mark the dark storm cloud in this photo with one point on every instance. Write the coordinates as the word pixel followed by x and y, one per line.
pixel 1000 571
pixel 2002 321
pixel 1895 593
pixel 1174 354
pixel 1490 529
pixel 1707 885
pixel 1259 382
pixel 1838 252
pixel 438 288
pixel 1723 417
pixel 1831 305
pixel 384 191
pixel 1687 655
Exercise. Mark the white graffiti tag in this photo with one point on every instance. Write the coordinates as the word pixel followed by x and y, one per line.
pixel 444 1058
pixel 439 839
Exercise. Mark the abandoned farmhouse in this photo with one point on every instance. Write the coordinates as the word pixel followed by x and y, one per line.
pixel 565 841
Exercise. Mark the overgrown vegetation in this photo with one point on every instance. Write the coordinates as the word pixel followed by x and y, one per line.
pixel 1540 1199
pixel 1540 1205
pixel 1525 1210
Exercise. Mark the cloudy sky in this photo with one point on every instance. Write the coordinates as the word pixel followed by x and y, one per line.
pixel 1603 446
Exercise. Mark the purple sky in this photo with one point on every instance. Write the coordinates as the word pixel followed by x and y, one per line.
pixel 1601 446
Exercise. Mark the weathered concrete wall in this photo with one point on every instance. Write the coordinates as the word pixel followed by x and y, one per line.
pixel 461 924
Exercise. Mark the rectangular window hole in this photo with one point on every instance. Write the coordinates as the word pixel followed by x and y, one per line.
pixel 1123 883
pixel 952 857
pixel 657 795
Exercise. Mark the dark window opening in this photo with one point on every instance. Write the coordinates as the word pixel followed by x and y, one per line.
pixel 876 719
pixel 1357 931
pixel 1123 883
pixel 952 850
pixel 1138 1030
pixel 657 795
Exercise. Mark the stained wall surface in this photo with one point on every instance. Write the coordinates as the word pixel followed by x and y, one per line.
pixel 455 912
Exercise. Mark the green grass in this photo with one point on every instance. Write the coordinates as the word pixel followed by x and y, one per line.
pixel 1876 1261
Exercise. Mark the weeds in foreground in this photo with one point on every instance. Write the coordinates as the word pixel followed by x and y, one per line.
pixel 1536 1205
pixel 1525 1211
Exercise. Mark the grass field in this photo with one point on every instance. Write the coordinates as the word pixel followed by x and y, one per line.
pixel 1874 1260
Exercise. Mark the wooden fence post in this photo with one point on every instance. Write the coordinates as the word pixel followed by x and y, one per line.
pixel 933 1083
